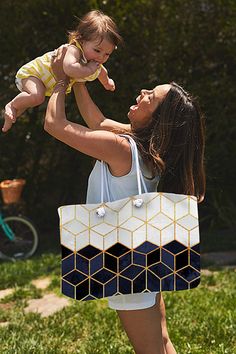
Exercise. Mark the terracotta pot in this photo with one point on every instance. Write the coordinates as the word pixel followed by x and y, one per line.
pixel 11 190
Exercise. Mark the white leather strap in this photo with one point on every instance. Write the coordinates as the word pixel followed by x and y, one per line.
pixel 140 179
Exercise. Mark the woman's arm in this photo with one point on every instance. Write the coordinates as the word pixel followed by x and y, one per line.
pixel 91 114
pixel 102 145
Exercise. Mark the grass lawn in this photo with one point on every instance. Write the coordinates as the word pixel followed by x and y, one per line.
pixel 201 321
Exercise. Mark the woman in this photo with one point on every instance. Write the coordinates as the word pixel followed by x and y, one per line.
pixel 169 131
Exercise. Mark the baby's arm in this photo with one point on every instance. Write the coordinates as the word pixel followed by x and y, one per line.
pixel 72 66
pixel 107 82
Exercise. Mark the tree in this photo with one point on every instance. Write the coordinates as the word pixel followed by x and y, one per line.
pixel 190 42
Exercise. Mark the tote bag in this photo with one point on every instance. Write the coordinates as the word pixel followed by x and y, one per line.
pixel 144 243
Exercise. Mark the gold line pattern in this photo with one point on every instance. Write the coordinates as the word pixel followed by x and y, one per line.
pixel 96 271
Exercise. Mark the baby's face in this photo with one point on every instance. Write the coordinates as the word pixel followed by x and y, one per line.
pixel 97 50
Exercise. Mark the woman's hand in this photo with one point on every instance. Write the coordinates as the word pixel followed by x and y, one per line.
pixel 57 63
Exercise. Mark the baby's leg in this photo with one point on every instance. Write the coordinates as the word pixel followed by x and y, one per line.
pixel 33 94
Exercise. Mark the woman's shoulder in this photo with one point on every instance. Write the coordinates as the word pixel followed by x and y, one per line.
pixel 136 155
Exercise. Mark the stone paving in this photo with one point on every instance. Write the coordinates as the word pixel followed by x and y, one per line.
pixel 42 283
pixel 4 324
pixel 51 303
pixel 47 305
pixel 6 292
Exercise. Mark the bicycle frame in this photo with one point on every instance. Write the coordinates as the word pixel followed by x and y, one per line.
pixel 7 230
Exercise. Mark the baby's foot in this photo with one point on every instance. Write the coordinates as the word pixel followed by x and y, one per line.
pixel 110 85
pixel 9 116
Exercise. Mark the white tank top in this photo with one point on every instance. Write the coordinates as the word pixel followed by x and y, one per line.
pixel 118 187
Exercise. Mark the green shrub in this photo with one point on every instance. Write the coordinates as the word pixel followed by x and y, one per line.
pixel 190 42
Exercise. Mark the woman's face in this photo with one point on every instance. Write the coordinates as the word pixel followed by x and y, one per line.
pixel 140 114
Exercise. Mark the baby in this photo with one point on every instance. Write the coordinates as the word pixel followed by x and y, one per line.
pixel 90 46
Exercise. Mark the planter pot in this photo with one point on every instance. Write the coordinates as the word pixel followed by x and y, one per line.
pixel 11 190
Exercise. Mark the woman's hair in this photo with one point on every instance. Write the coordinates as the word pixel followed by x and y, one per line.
pixel 95 25
pixel 172 145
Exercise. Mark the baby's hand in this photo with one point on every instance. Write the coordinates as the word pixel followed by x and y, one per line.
pixel 93 66
pixel 110 85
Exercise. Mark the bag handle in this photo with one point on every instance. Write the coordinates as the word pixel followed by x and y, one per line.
pixel 140 179
pixel 138 170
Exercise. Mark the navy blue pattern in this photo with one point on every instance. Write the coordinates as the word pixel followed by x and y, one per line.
pixel 90 273
pixel 68 264
pixel 139 258
pixel 83 264
pixel 153 257
pixel 124 286
pixel 96 263
pixel 124 261
pixel 168 258
pixel 194 260
pixel 139 282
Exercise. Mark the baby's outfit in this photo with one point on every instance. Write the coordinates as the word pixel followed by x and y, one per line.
pixel 40 67
pixel 119 188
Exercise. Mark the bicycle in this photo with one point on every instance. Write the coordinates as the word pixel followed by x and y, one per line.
pixel 18 237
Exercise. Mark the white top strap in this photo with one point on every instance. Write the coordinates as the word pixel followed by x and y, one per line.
pixel 140 179
pixel 138 170
pixel 104 183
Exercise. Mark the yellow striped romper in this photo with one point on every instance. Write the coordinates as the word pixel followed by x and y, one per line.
pixel 40 67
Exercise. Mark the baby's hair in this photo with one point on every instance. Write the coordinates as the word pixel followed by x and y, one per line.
pixel 95 25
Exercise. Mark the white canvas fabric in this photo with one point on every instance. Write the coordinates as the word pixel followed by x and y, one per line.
pixel 130 248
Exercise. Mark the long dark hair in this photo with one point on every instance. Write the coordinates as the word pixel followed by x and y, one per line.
pixel 173 144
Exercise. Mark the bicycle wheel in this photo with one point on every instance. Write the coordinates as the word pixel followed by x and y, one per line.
pixel 25 240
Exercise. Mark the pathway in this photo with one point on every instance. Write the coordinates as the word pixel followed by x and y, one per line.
pixel 51 303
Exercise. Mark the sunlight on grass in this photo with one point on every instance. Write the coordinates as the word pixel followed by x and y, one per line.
pixel 200 321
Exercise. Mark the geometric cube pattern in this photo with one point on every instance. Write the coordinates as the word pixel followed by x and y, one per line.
pixel 130 249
